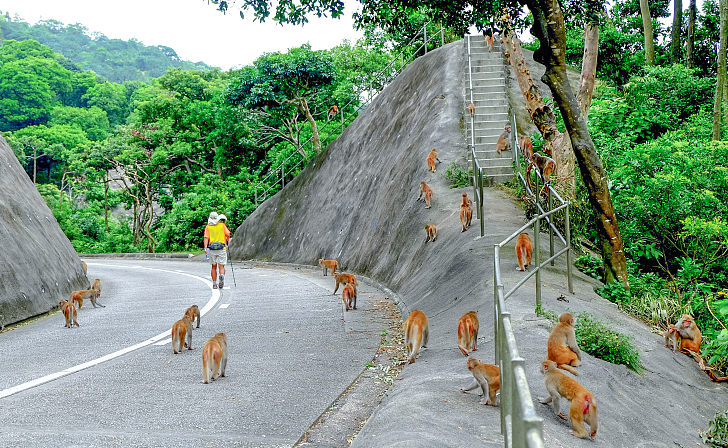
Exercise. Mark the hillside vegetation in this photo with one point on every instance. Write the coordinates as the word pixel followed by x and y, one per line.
pixel 115 59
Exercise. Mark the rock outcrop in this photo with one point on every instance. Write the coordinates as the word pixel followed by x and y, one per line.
pixel 38 265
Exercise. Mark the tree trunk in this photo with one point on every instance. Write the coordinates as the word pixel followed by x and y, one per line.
pixel 35 165
pixel 649 34
pixel 588 67
pixel 106 200
pixel 721 79
pixel 676 24
pixel 303 107
pixel 549 29
pixel 691 33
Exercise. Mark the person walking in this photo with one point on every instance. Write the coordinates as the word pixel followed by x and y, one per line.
pixel 215 242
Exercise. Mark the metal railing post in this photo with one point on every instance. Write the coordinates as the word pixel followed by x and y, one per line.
pixel 496 303
pixel 517 431
pixel 537 248
pixel 283 178
pixel 442 36
pixel 424 30
pixel 569 254
pixel 507 391
pixel 551 224
pixel 482 207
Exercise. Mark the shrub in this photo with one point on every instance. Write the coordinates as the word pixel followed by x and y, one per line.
pixel 590 265
pixel 458 177
pixel 717 433
pixel 595 338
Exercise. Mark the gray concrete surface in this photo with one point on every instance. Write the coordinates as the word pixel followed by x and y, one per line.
pixel 37 262
pixel 293 350
pixel 356 203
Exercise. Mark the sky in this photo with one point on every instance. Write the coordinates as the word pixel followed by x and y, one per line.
pixel 193 28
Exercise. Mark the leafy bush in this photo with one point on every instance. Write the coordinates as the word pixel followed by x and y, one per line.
pixel 717 433
pixel 458 177
pixel 595 338
pixel 590 265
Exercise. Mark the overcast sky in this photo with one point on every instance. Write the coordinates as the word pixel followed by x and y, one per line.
pixel 194 29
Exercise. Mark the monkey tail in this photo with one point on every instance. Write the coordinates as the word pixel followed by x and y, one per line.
pixel 568 368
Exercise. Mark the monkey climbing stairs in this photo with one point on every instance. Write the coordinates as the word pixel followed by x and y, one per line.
pixel 485 87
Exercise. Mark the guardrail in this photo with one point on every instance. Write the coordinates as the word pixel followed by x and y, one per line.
pixel 380 81
pixel 520 425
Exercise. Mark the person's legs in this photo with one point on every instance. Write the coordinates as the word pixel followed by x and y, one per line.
pixel 213 273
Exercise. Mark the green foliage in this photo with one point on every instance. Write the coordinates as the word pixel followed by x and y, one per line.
pixel 717 433
pixel 590 265
pixel 114 59
pixel 596 338
pixel 615 293
pixel 457 176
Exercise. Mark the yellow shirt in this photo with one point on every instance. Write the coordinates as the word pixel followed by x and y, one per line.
pixel 219 233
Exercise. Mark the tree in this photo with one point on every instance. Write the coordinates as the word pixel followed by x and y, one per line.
pixel 691 33
pixel 648 32
pixel 720 83
pixel 676 26
pixel 284 85
pixel 549 29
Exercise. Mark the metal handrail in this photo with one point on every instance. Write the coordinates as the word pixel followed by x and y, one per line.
pixel 382 77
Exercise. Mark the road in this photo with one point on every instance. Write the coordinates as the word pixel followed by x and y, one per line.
pixel 115 381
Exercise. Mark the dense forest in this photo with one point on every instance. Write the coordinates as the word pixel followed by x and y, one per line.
pixel 136 166
pixel 115 59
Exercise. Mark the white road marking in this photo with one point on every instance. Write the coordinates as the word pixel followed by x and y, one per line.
pixel 223 306
pixel 214 298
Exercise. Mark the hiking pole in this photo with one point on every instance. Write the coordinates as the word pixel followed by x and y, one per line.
pixel 232 268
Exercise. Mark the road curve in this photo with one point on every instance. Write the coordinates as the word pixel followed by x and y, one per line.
pixel 292 352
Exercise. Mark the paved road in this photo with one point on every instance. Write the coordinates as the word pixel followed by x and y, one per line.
pixel 292 352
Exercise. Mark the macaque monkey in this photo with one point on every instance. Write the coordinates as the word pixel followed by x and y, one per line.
pixel 527 148
pixel 466 213
pixel 689 334
pixel 333 111
pixel 77 297
pixel 193 312
pixel 487 376
pixel 182 334
pixel 545 165
pixel 214 357
pixel 348 295
pixel 468 332
pixel 328 264
pixel 69 312
pixel 85 267
pixel 416 333
pixel 671 335
pixel 583 407
pixel 344 278
pixel 504 141
pixel 97 285
pixel 431 232
pixel 489 41
pixel 523 251
pixel 425 194
pixel 471 109
pixel 431 160
pixel 562 347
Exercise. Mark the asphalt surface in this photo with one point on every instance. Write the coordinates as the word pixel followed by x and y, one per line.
pixel 293 350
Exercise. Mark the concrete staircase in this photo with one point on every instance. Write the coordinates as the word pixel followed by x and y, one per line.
pixel 491 107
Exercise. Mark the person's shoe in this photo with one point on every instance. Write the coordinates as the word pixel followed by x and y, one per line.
pixel 222 281
pixel 214 285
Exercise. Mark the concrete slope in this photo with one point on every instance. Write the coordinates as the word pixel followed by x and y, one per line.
pixel 38 265
pixel 357 203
